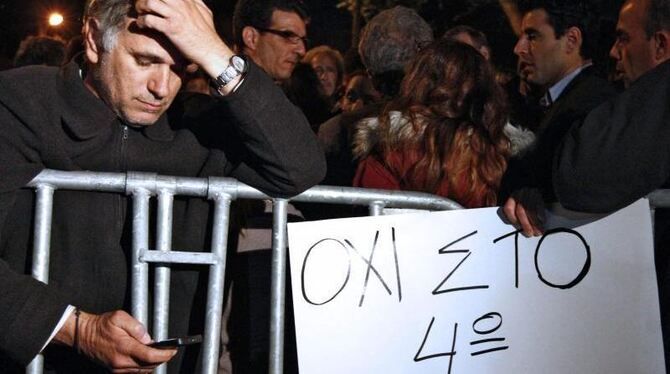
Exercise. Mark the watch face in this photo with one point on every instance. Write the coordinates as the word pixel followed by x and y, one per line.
pixel 238 63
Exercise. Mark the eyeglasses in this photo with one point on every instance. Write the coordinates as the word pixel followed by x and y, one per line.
pixel 286 34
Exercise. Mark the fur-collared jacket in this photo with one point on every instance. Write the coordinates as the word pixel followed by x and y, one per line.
pixel 393 170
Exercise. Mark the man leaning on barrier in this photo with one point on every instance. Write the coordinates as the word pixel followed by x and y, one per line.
pixel 110 113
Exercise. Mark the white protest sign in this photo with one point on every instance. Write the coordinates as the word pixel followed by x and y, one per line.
pixel 453 292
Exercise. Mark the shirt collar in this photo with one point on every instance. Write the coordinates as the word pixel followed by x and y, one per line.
pixel 557 89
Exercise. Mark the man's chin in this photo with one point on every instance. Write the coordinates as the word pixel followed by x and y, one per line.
pixel 140 121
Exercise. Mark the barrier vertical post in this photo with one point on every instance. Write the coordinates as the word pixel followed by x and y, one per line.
pixel 215 286
pixel 41 251
pixel 162 281
pixel 140 269
pixel 376 208
pixel 278 288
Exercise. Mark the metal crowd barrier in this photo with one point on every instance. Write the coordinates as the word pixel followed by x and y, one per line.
pixel 142 186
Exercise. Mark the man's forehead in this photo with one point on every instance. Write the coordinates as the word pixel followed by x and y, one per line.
pixel 283 20
pixel 633 11
pixel 150 42
pixel 535 19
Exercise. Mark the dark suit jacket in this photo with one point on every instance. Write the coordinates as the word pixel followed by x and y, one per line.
pixel 49 119
pixel 533 169
pixel 618 154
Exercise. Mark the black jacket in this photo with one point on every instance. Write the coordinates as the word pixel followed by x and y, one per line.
pixel 49 119
pixel 621 153
pixel 581 95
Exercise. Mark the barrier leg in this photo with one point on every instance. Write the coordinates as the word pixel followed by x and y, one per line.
pixel 278 290
pixel 162 285
pixel 41 252
pixel 140 269
pixel 215 287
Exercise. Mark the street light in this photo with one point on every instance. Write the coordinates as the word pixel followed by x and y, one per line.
pixel 55 19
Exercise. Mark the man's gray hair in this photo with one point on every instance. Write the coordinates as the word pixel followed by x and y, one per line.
pixel 110 16
pixel 658 17
pixel 392 38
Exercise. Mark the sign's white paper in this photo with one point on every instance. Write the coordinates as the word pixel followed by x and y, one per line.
pixel 459 292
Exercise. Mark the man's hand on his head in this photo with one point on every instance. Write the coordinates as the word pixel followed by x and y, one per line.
pixel 189 25
pixel 525 209
pixel 116 340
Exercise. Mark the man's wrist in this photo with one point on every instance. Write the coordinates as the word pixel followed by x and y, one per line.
pixel 65 335
pixel 217 61
pixel 232 76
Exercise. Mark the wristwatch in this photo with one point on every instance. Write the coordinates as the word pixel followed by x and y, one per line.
pixel 237 66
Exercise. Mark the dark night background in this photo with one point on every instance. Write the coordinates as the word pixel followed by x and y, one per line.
pixel 329 25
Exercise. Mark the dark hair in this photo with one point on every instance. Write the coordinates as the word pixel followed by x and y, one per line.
pixel 564 14
pixel 450 96
pixel 657 17
pixel 39 50
pixel 478 37
pixel 258 13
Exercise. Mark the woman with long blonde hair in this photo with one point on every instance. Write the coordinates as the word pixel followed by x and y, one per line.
pixel 443 134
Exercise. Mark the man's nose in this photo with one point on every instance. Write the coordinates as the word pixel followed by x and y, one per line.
pixel 614 51
pixel 300 49
pixel 521 46
pixel 159 83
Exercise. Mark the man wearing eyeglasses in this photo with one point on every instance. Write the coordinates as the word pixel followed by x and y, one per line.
pixel 272 33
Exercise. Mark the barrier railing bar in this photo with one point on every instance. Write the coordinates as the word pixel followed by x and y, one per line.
pixel 115 182
pixel 215 288
pixel 177 257
pixel 278 286
pixel 162 271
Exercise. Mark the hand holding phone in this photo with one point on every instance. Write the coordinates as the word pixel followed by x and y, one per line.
pixel 177 342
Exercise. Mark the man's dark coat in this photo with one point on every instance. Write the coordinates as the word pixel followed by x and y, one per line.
pixel 581 95
pixel 618 154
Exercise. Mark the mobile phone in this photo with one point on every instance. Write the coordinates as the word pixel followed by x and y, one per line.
pixel 177 342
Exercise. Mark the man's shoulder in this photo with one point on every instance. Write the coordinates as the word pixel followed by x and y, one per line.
pixel 588 84
pixel 28 76
pixel 27 84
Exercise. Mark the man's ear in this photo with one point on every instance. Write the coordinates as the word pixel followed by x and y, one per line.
pixel 573 39
pixel 250 38
pixel 661 47
pixel 92 37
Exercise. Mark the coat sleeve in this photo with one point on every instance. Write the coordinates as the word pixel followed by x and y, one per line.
pixel 621 151
pixel 29 310
pixel 280 153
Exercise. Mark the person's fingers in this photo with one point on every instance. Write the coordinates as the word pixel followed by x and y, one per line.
pixel 526 227
pixel 151 21
pixel 157 7
pixel 131 326
pixel 510 211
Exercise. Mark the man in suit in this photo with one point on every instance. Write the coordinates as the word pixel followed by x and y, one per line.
pixel 272 33
pixel 554 52
pixel 620 152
